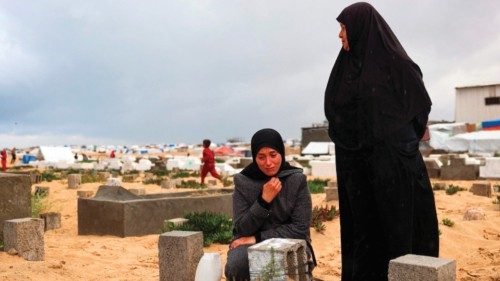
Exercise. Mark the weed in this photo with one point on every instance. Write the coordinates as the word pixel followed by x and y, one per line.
pixel 448 222
pixel 155 180
pixel 192 184
pixel 317 185
pixel 216 228
pixel 49 176
pixel 452 189
pixel 438 186
pixel 320 215
pixel 39 205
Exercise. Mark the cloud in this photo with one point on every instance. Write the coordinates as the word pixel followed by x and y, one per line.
pixel 181 71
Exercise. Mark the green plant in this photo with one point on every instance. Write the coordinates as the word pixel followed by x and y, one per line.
pixel 216 228
pixel 218 160
pixel 160 173
pixel 49 176
pixel 321 214
pixel 155 180
pixel 452 189
pixel 184 174
pixel 270 271
pixel 39 205
pixel 192 184
pixel 448 222
pixel 317 185
pixel 90 177
pixel 438 186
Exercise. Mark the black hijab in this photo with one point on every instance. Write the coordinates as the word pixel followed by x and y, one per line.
pixel 374 88
pixel 272 139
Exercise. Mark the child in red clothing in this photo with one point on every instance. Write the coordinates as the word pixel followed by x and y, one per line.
pixel 208 161
pixel 4 159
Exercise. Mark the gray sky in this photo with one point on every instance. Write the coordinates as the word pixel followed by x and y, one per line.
pixel 139 72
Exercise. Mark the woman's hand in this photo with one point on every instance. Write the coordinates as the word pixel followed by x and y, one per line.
pixel 271 189
pixel 245 240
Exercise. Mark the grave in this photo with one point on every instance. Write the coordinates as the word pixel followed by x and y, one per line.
pixel 279 259
pixel 481 189
pixel 459 170
pixel 25 236
pixel 178 254
pixel 491 168
pixel 85 193
pixel 168 184
pixel 74 181
pixel 52 220
pixel 15 197
pixel 116 211
pixel 474 214
pixel 418 268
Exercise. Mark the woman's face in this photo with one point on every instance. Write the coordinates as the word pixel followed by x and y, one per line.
pixel 343 37
pixel 269 161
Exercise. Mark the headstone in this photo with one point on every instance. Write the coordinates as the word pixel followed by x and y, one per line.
pixel 331 193
pixel 168 184
pixel 481 189
pixel 52 220
pixel 85 193
pixel 321 168
pixel 113 182
pixel 137 191
pixel 179 253
pixel 35 178
pixel 458 170
pixel 42 191
pixel 418 268
pixel 26 237
pixel 74 181
pixel 279 259
pixel 474 214
pixel 129 178
pixel 15 197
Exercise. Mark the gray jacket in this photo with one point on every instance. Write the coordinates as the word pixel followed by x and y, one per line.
pixel 289 215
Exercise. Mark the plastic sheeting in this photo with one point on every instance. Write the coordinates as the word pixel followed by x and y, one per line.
pixel 57 154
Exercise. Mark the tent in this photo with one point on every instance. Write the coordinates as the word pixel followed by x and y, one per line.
pixel 319 148
pixel 56 154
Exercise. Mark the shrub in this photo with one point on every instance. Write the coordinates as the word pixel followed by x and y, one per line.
pixel 321 214
pixel 160 173
pixel 49 176
pixel 216 228
pixel 192 184
pixel 155 180
pixel 39 205
pixel 448 222
pixel 317 185
pixel 452 189
pixel 184 174
pixel 438 186
pixel 90 177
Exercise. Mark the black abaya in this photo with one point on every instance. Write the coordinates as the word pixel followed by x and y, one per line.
pixel 377 108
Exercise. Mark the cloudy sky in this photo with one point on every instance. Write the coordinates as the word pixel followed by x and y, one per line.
pixel 139 72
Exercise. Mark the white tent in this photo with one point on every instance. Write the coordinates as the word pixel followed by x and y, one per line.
pixel 319 148
pixel 481 141
pixel 57 154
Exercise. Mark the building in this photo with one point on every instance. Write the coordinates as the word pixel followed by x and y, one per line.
pixel 315 133
pixel 474 104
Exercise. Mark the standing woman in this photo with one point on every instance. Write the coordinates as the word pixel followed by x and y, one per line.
pixel 270 200
pixel 377 107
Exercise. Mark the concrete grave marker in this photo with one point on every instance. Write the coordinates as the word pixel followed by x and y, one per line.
pixel 419 268
pixel 52 220
pixel 15 197
pixel 74 181
pixel 179 253
pixel 26 237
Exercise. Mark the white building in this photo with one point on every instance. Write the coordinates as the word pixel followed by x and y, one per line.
pixel 475 104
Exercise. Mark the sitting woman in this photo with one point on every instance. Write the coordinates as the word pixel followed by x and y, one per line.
pixel 271 200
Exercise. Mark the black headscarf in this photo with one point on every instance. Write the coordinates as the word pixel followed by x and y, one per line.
pixel 272 139
pixel 374 88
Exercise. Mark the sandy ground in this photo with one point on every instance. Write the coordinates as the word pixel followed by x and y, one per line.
pixel 475 245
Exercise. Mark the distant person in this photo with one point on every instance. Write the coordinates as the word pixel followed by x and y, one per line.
pixel 112 154
pixel 3 155
pixel 208 161
pixel 270 200
pixel 377 107
pixel 13 156
pixel 76 156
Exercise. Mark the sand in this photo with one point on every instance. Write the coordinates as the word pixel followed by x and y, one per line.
pixel 475 245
